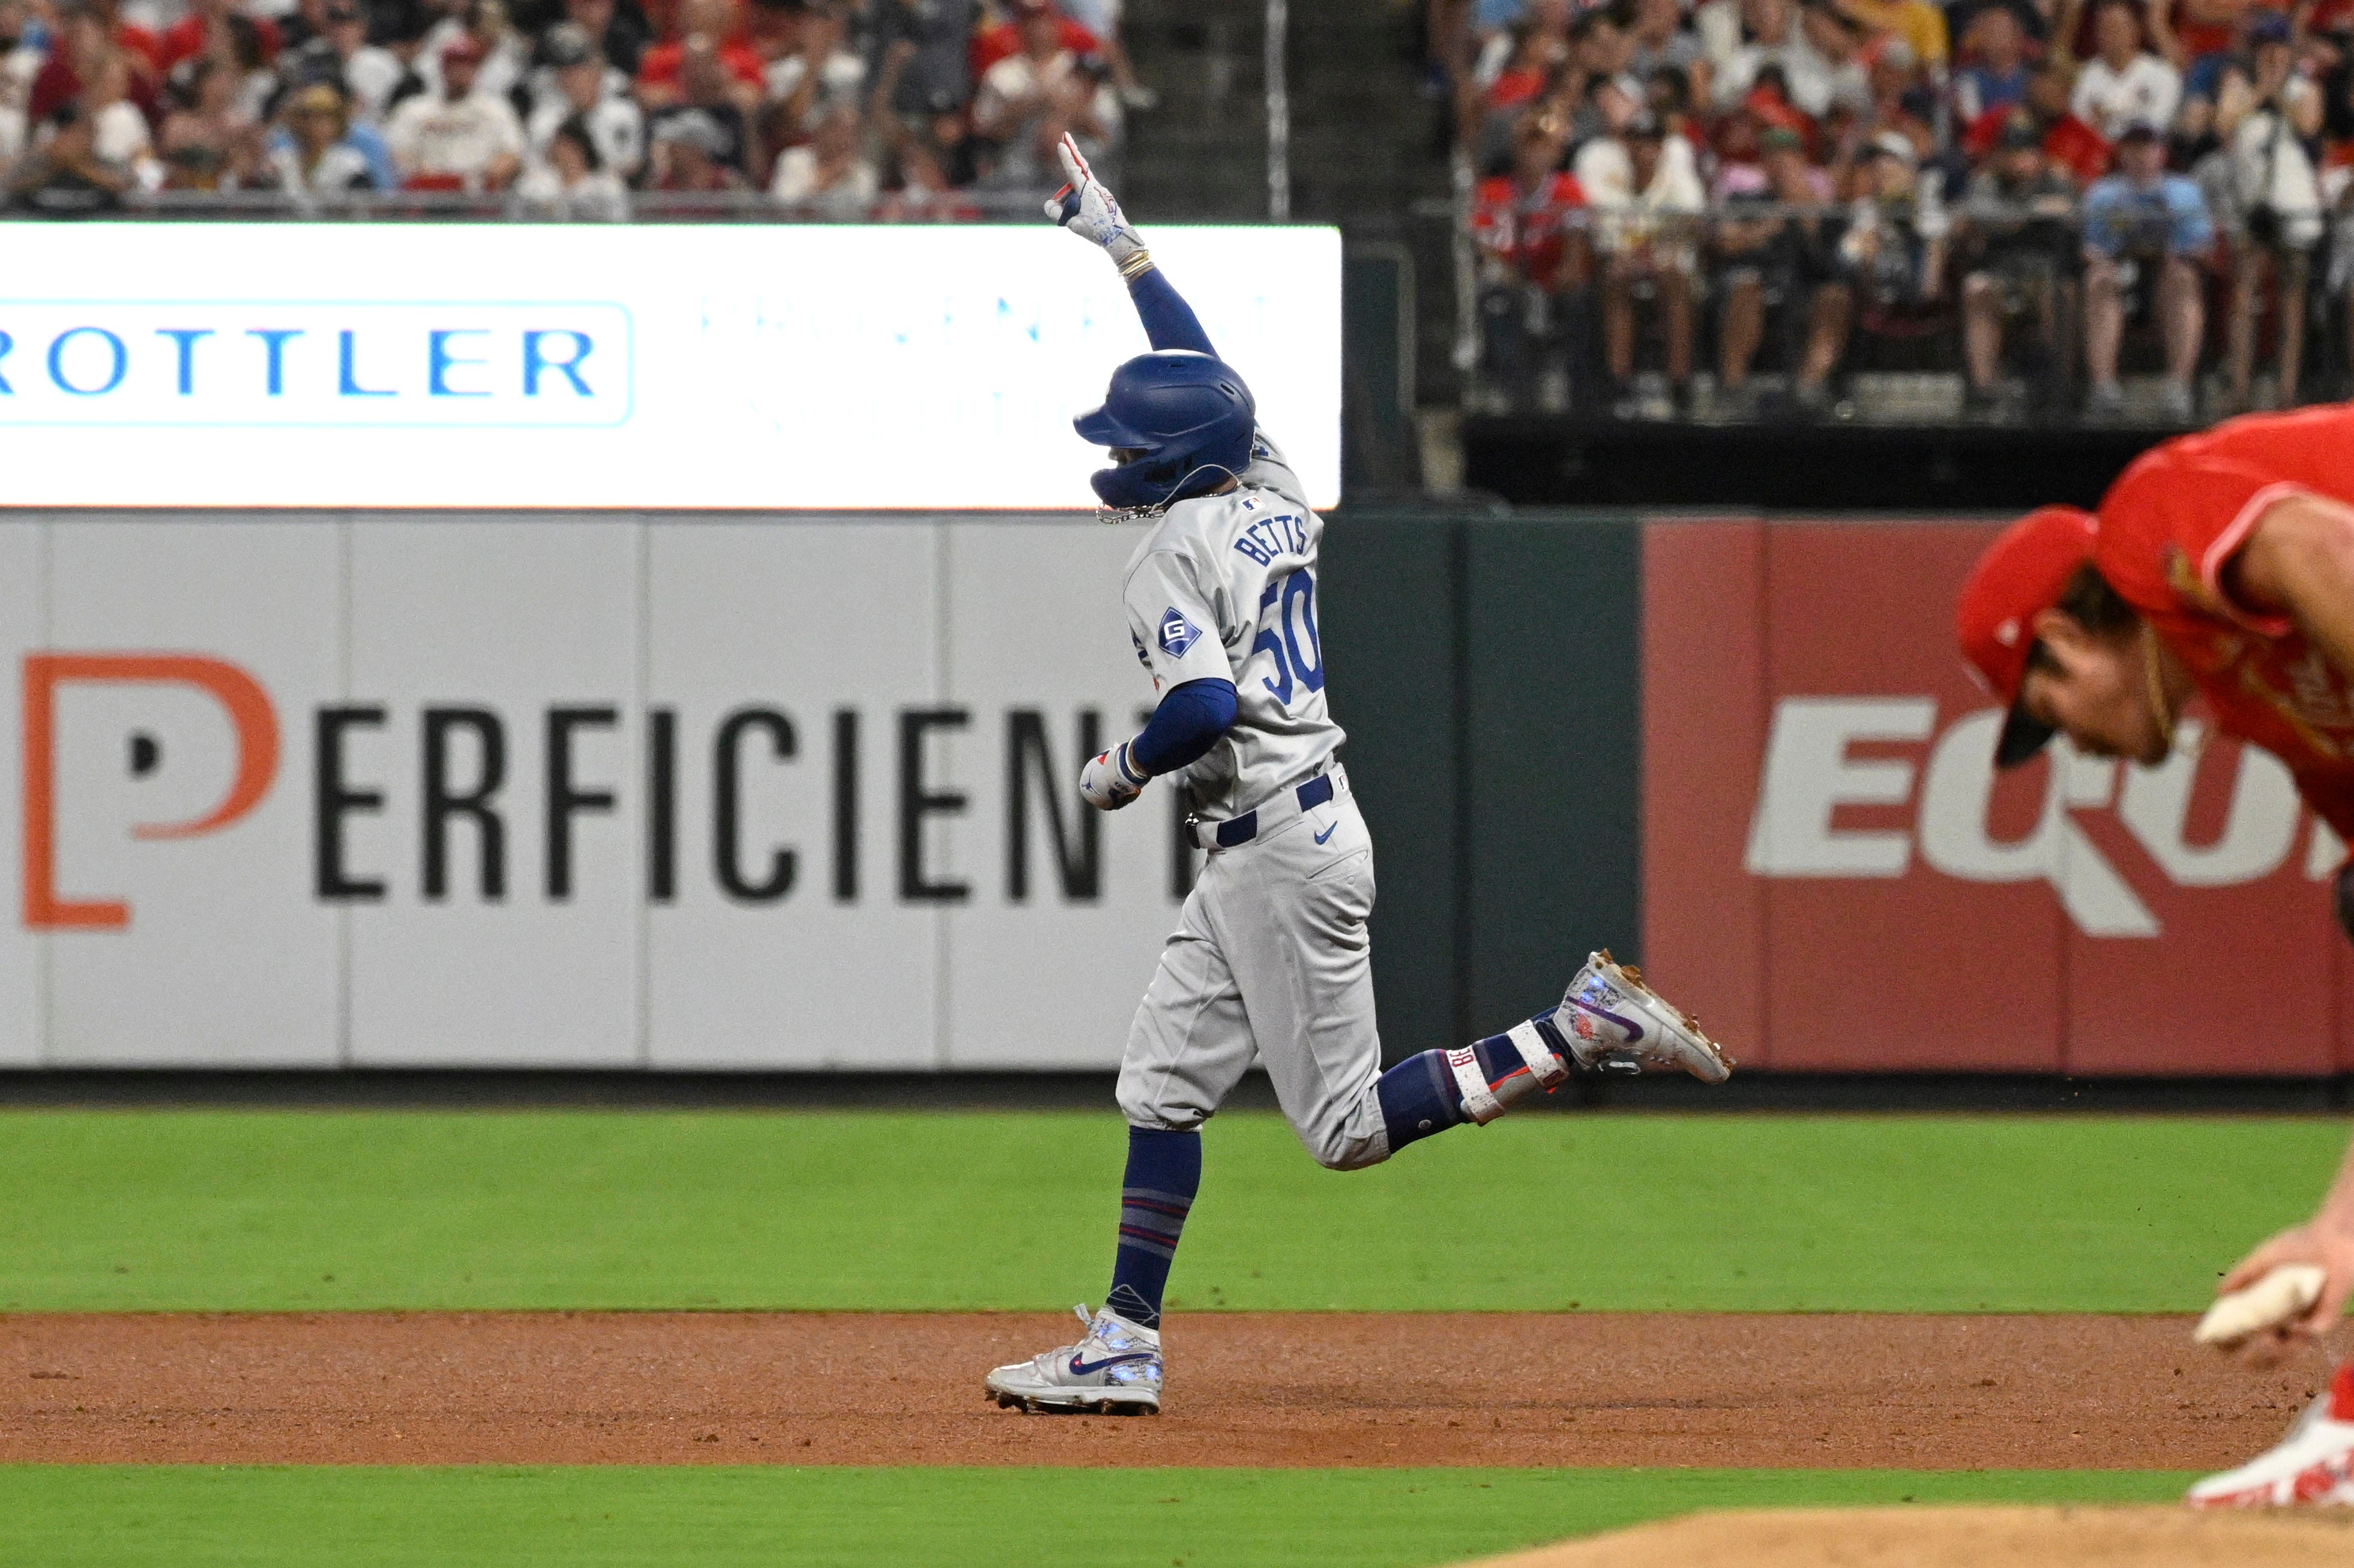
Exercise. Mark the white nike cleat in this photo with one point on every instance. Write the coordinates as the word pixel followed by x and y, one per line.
pixel 2313 1464
pixel 1613 1022
pixel 1114 1370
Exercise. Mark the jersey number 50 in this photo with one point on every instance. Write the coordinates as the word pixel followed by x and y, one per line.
pixel 1287 631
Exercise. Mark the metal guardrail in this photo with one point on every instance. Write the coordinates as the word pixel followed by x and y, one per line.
pixel 641 206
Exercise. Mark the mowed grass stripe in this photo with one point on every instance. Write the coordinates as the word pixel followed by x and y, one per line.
pixel 188 1517
pixel 212 1210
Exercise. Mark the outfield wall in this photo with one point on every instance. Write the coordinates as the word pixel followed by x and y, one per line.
pixel 684 791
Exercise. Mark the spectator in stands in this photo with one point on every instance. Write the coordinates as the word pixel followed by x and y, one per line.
pixel 1889 261
pixel 1027 100
pixel 199 32
pixel 313 152
pixel 1997 75
pixel 1779 41
pixel 119 134
pixel 1659 41
pixel 19 63
pixel 1840 39
pixel 2207 34
pixel 341 54
pixel 505 53
pixel 2143 224
pixel 1004 40
pixel 1919 25
pixel 1532 271
pixel 927 50
pixel 709 89
pixel 86 39
pixel 2069 143
pixel 209 142
pixel 1774 263
pixel 829 178
pixel 708 31
pixel 2124 82
pixel 821 74
pixel 1645 192
pixel 584 86
pixel 2018 243
pixel 620 36
pixel 63 177
pixel 2266 112
pixel 458 139
pixel 569 183
pixel 690 154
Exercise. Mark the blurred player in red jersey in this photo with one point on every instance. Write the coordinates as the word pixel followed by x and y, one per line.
pixel 2220 566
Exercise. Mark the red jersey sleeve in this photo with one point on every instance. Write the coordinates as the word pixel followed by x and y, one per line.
pixel 2174 520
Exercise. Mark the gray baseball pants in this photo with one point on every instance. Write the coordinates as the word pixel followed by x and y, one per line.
pixel 1271 962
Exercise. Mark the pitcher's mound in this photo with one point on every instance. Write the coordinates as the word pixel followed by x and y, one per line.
pixel 2166 1537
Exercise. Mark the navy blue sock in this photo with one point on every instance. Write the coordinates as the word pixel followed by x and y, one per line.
pixel 1164 1171
pixel 1419 1096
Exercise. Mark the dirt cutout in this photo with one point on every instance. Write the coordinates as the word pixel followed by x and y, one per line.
pixel 1260 1389
pixel 1963 1538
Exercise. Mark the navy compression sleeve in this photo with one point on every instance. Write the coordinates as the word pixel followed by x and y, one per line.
pixel 1168 321
pixel 1188 722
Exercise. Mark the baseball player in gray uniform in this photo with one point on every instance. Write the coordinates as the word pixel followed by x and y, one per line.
pixel 1270 961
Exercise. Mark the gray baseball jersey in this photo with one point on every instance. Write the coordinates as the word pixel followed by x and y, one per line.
pixel 1225 587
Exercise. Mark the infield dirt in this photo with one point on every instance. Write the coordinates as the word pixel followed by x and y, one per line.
pixel 1851 1390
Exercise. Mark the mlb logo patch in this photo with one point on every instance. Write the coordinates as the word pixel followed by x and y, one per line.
pixel 1177 634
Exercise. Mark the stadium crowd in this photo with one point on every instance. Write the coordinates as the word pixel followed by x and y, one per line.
pixel 1751 201
pixel 833 109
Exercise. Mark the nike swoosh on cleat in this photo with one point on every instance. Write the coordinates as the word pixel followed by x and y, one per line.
pixel 1083 1369
pixel 1328 832
pixel 1634 1030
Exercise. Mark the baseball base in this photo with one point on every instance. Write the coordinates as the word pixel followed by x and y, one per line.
pixel 2279 1296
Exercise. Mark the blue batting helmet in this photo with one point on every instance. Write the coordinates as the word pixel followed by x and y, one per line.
pixel 1188 417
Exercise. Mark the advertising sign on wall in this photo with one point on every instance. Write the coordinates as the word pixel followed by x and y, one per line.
pixel 590 791
pixel 1835 872
pixel 728 366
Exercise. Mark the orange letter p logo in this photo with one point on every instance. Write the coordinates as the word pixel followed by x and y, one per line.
pixel 257 764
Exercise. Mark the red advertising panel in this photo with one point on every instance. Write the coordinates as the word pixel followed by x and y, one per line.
pixel 1837 879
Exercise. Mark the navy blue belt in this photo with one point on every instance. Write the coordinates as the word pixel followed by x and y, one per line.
pixel 1242 829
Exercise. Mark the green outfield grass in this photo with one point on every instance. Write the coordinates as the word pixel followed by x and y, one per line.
pixel 254 1210
pixel 188 1517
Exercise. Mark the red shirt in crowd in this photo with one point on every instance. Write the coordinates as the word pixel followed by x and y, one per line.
pixel 2168 530
pixel 1004 41
pixel 659 67
pixel 2068 142
pixel 184 39
pixel 1526 229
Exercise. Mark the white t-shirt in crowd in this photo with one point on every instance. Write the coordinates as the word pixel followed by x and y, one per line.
pixel 2148 91
pixel 430 135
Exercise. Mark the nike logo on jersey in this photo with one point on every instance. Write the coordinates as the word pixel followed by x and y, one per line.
pixel 1328 832
pixel 1085 1368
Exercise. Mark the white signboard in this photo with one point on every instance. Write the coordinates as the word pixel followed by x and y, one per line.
pixel 729 366
pixel 582 791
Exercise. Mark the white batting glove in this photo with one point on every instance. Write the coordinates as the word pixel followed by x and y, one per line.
pixel 1112 779
pixel 1085 208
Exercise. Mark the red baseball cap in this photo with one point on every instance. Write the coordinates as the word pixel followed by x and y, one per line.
pixel 2023 573
pixel 464 46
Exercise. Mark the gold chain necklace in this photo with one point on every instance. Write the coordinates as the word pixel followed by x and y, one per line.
pixel 2154 678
